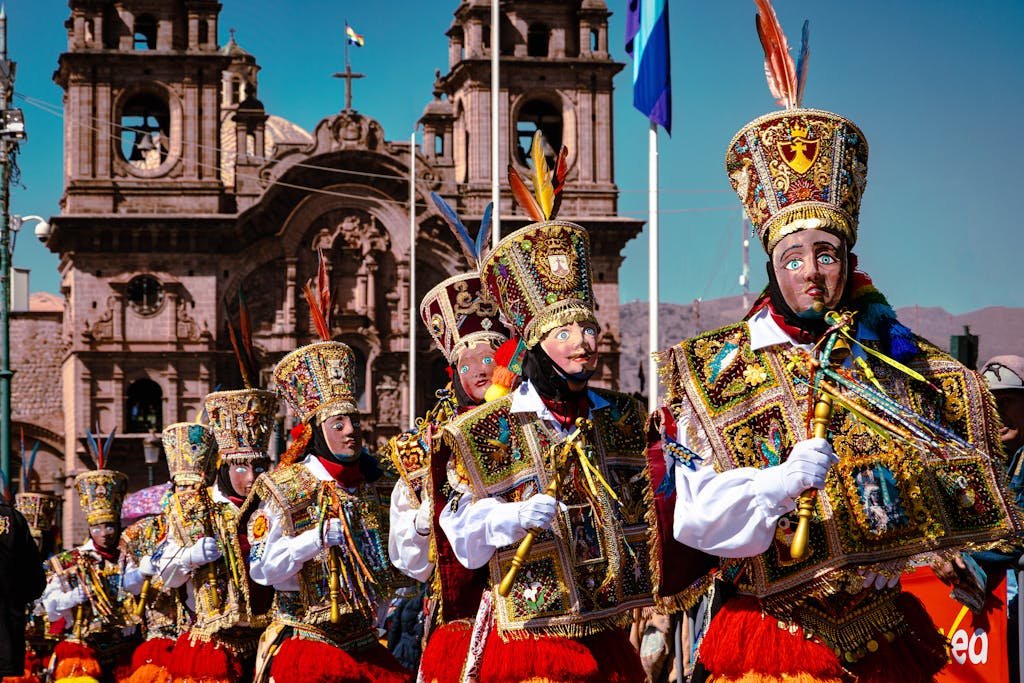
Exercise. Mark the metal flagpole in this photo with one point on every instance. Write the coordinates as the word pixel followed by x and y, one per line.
pixel 412 280
pixel 652 276
pixel 495 125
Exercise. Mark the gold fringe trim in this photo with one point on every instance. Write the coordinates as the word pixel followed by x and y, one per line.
pixel 832 220
pixel 560 313
pixel 572 631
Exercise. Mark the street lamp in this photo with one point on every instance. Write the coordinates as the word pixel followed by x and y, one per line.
pixel 151 452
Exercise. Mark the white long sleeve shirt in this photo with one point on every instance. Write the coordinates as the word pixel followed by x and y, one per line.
pixel 275 559
pixel 732 513
pixel 476 529
pixel 408 549
pixel 174 566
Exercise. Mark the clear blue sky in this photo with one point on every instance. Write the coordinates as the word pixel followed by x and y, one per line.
pixel 936 85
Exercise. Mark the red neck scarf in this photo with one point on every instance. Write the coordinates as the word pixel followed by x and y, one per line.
pixel 108 555
pixel 348 474
pixel 566 412
pixel 795 333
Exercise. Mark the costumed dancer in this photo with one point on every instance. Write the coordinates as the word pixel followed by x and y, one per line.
pixel 205 551
pixel 157 606
pixel 463 320
pixel 85 592
pixel 547 471
pixel 314 525
pixel 899 440
pixel 22 580
pixel 39 510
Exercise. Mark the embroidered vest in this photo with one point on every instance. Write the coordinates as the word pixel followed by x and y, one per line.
pixel 221 588
pixel 885 502
pixel 109 608
pixel 299 495
pixel 162 615
pixel 588 571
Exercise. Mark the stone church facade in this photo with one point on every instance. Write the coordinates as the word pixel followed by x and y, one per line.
pixel 180 190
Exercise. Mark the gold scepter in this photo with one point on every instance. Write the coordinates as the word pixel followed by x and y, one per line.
pixel 333 570
pixel 819 430
pixel 79 615
pixel 143 594
pixel 523 552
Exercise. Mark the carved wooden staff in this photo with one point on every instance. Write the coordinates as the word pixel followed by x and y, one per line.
pixel 838 349
pixel 523 552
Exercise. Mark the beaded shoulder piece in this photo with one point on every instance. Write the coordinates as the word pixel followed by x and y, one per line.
pixel 586 573
pixel 886 502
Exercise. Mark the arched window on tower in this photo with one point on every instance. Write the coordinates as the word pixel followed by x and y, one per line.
pixel 145 32
pixel 537 38
pixel 143 409
pixel 145 128
pixel 594 43
pixel 534 115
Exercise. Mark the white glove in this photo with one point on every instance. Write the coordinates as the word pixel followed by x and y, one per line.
pixel 203 552
pixel 878 581
pixel 333 534
pixel 76 596
pixel 146 567
pixel 132 581
pixel 806 467
pixel 424 515
pixel 537 512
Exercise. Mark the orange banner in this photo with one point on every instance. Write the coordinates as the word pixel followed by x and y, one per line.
pixel 977 641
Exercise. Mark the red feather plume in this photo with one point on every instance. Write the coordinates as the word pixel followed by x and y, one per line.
pixel 320 303
pixel 523 195
pixel 778 62
pixel 558 178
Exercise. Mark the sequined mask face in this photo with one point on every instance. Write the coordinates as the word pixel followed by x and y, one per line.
pixel 475 367
pixel 105 536
pixel 341 432
pixel 573 348
pixel 242 475
pixel 810 267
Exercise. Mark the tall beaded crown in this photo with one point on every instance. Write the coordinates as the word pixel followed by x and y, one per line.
pixel 796 169
pixel 242 422
pixel 319 379
pixel 101 493
pixel 191 451
pixel 39 510
pixel 540 274
pixel 459 312
pixel 541 277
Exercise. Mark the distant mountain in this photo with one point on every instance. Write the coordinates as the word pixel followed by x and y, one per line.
pixel 1000 329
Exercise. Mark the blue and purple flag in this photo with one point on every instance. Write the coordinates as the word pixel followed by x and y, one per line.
pixel 647 42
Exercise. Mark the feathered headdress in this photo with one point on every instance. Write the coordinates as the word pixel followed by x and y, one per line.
pixel 473 250
pixel 27 463
pixel 241 343
pixel 99 451
pixel 785 79
pixel 543 203
pixel 320 301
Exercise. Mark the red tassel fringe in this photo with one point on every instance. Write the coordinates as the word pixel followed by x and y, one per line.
pixel 203 660
pixel 75 660
pixel 606 657
pixel 291 664
pixel 740 640
pixel 446 653
pixel 154 651
pixel 297 447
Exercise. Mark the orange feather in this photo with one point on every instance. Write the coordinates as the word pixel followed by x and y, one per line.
pixel 780 69
pixel 322 328
pixel 523 195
